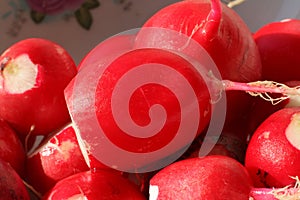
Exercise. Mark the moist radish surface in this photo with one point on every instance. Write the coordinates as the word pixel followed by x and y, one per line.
pixel 34 73
pixel 133 118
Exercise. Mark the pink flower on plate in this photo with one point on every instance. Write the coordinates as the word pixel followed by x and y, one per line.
pixel 54 6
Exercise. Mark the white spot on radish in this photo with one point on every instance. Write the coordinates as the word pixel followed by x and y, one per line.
pixel 20 75
pixel 153 192
pixel 265 135
pixel 292 131
pixel 60 50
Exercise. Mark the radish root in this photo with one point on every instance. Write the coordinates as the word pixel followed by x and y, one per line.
pixel 33 190
pixel 288 192
pixel 263 89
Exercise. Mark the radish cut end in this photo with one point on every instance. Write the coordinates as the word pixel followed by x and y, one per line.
pixel 292 131
pixel 19 74
pixel 84 147
pixel 153 192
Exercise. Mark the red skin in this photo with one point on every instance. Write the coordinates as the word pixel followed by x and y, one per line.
pixel 141 100
pixel 11 184
pixel 56 159
pixel 279 47
pixel 154 94
pixel 224 35
pixel 95 185
pixel 11 148
pixel 43 106
pixel 272 156
pixel 210 177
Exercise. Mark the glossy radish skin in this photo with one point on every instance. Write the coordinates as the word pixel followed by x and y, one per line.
pixel 171 82
pixel 219 30
pixel 11 184
pixel 34 73
pixel 95 185
pixel 279 47
pixel 56 159
pixel 11 148
pixel 223 34
pixel 273 156
pixel 210 177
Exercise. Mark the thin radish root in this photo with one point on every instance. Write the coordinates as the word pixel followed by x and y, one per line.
pixel 33 190
pixel 288 192
pixel 263 89
pixel 27 139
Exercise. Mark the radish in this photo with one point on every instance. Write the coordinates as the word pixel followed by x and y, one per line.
pixel 160 88
pixel 11 148
pixel 273 156
pixel 222 33
pixel 209 177
pixel 279 47
pixel 95 185
pixel 33 74
pixel 11 184
pixel 59 157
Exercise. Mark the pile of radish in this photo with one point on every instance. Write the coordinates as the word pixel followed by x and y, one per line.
pixel 50 114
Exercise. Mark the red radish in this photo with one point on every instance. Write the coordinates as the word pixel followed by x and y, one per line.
pixel 279 47
pixel 222 33
pixel 209 177
pixel 59 157
pixel 95 185
pixel 161 85
pixel 34 73
pixel 273 155
pixel 11 184
pixel 11 148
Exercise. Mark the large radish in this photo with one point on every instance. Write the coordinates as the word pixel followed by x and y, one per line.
pixel 33 75
pixel 162 84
